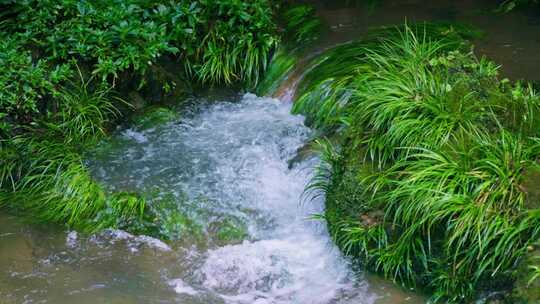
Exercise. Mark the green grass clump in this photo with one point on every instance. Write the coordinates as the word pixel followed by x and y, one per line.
pixel 43 173
pixel 281 65
pixel 238 42
pixel 430 181
pixel 48 180
pixel 325 91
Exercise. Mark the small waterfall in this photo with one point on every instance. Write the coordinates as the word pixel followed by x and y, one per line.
pixel 236 156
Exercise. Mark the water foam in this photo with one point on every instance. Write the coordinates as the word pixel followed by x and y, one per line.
pixel 235 154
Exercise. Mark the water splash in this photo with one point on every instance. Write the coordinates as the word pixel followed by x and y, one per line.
pixel 227 160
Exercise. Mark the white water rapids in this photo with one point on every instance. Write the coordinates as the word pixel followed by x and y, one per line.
pixel 226 160
pixel 236 154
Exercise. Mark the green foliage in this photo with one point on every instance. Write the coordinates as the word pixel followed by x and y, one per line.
pixel 471 192
pixel 43 173
pixel 323 92
pixel 238 42
pixel 219 41
pixel 301 24
pixel 326 89
pixel 431 184
pixel 61 60
pixel 25 82
pixel 281 65
pixel 51 183
pixel 83 111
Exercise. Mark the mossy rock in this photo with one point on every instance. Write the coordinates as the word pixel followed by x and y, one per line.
pixel 302 153
pixel 180 225
pixel 228 231
pixel 153 116
pixel 172 217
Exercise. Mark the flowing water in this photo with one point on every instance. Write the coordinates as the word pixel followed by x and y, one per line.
pixel 224 162
pixel 231 199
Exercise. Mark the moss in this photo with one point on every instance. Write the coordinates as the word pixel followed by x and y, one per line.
pixel 151 117
pixel 172 217
pixel 229 231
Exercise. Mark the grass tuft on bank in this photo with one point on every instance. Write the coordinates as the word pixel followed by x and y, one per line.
pixel 429 180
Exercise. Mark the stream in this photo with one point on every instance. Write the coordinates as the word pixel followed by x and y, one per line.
pixel 241 229
pixel 226 162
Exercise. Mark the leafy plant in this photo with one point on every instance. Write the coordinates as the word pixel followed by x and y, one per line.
pixel 430 185
pixel 54 186
pixel 61 61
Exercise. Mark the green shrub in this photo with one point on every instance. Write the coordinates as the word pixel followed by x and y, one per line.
pixel 219 41
pixel 61 60
pixel 25 82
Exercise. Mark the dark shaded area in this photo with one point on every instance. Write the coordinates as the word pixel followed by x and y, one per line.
pixel 511 39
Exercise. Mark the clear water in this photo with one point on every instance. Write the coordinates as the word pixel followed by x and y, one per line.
pixel 226 160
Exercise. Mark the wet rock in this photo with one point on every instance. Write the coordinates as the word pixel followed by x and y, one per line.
pixel 164 85
pixel 303 153
pixel 153 116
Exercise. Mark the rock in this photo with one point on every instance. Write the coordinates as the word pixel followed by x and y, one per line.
pixel 228 231
pixel 163 85
pixel 153 116
pixel 302 153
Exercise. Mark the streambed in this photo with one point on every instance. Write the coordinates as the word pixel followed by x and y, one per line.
pixel 224 162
